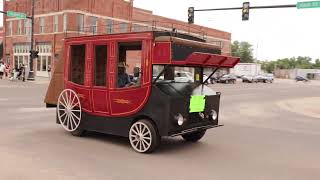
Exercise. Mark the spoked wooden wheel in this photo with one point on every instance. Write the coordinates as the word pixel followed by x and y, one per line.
pixel 143 136
pixel 69 110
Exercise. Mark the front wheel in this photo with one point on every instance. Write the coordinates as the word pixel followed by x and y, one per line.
pixel 143 136
pixel 195 136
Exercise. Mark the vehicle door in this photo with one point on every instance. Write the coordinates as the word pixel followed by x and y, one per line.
pixel 77 75
pixel 132 76
pixel 99 78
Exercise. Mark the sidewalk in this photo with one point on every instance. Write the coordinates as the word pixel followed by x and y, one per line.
pixel 41 80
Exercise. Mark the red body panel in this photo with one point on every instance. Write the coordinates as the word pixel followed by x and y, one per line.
pixel 162 53
pixel 83 93
pixel 125 102
pixel 209 60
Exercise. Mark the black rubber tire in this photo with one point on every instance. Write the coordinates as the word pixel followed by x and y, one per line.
pixel 194 137
pixel 79 132
pixel 156 139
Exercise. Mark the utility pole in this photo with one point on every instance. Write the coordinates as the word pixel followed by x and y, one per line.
pixel 31 72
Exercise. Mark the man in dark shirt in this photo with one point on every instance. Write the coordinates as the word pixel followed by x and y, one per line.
pixel 123 77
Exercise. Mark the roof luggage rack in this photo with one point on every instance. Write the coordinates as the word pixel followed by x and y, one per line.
pixel 159 27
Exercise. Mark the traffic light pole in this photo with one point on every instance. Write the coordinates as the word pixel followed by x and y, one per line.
pixel 245 10
pixel 31 76
pixel 251 7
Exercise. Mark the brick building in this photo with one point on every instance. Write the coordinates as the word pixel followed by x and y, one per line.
pixel 1 42
pixel 57 19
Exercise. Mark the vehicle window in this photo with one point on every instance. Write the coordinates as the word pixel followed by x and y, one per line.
pixel 77 63
pixel 175 74
pixel 100 65
pixel 129 64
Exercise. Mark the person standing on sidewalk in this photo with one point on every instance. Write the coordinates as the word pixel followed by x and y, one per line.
pixel 49 71
pixel 2 69
pixel 7 71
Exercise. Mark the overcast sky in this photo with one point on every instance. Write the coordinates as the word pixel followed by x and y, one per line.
pixel 278 33
pixel 274 33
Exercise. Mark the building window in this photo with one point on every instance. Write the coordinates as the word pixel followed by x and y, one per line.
pixel 94 25
pixel 55 23
pixel 136 28
pixel 77 63
pixel 44 59
pixel 21 54
pixel 42 25
pixel 27 25
pixel 123 27
pixel 109 26
pixel 80 23
pixel 65 22
pixel 19 27
pixel 9 30
pixel 100 65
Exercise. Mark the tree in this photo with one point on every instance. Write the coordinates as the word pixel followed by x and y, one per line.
pixel 243 50
pixel 290 63
pixel 317 64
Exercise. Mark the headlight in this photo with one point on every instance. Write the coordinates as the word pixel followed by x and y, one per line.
pixel 214 114
pixel 179 118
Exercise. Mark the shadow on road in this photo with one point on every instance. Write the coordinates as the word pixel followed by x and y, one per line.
pixel 168 144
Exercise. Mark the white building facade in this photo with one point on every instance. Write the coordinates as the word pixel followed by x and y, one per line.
pixel 242 69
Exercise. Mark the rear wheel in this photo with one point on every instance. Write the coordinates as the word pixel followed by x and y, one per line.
pixel 69 112
pixel 195 136
pixel 143 136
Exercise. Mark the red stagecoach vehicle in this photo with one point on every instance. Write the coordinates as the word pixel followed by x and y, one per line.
pixel 142 85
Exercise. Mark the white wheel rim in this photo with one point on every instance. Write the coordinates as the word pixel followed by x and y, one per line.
pixel 69 110
pixel 140 137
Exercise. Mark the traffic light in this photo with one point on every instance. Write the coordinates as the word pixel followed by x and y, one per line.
pixel 245 11
pixel 191 15
pixel 34 54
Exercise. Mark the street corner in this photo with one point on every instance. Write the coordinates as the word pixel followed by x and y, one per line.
pixel 309 106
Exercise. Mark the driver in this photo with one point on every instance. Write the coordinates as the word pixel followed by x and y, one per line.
pixel 123 77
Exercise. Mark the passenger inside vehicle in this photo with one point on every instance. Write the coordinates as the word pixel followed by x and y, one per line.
pixel 123 78
pixel 129 64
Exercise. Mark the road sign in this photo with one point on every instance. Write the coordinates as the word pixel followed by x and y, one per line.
pixel 16 14
pixel 308 4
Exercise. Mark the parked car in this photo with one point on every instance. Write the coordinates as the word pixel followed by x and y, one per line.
pixel 300 78
pixel 249 79
pixel 227 78
pixel 269 77
pixel 183 76
pixel 264 78
pixel 212 79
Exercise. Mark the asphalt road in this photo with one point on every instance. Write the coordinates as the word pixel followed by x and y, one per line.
pixel 271 132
